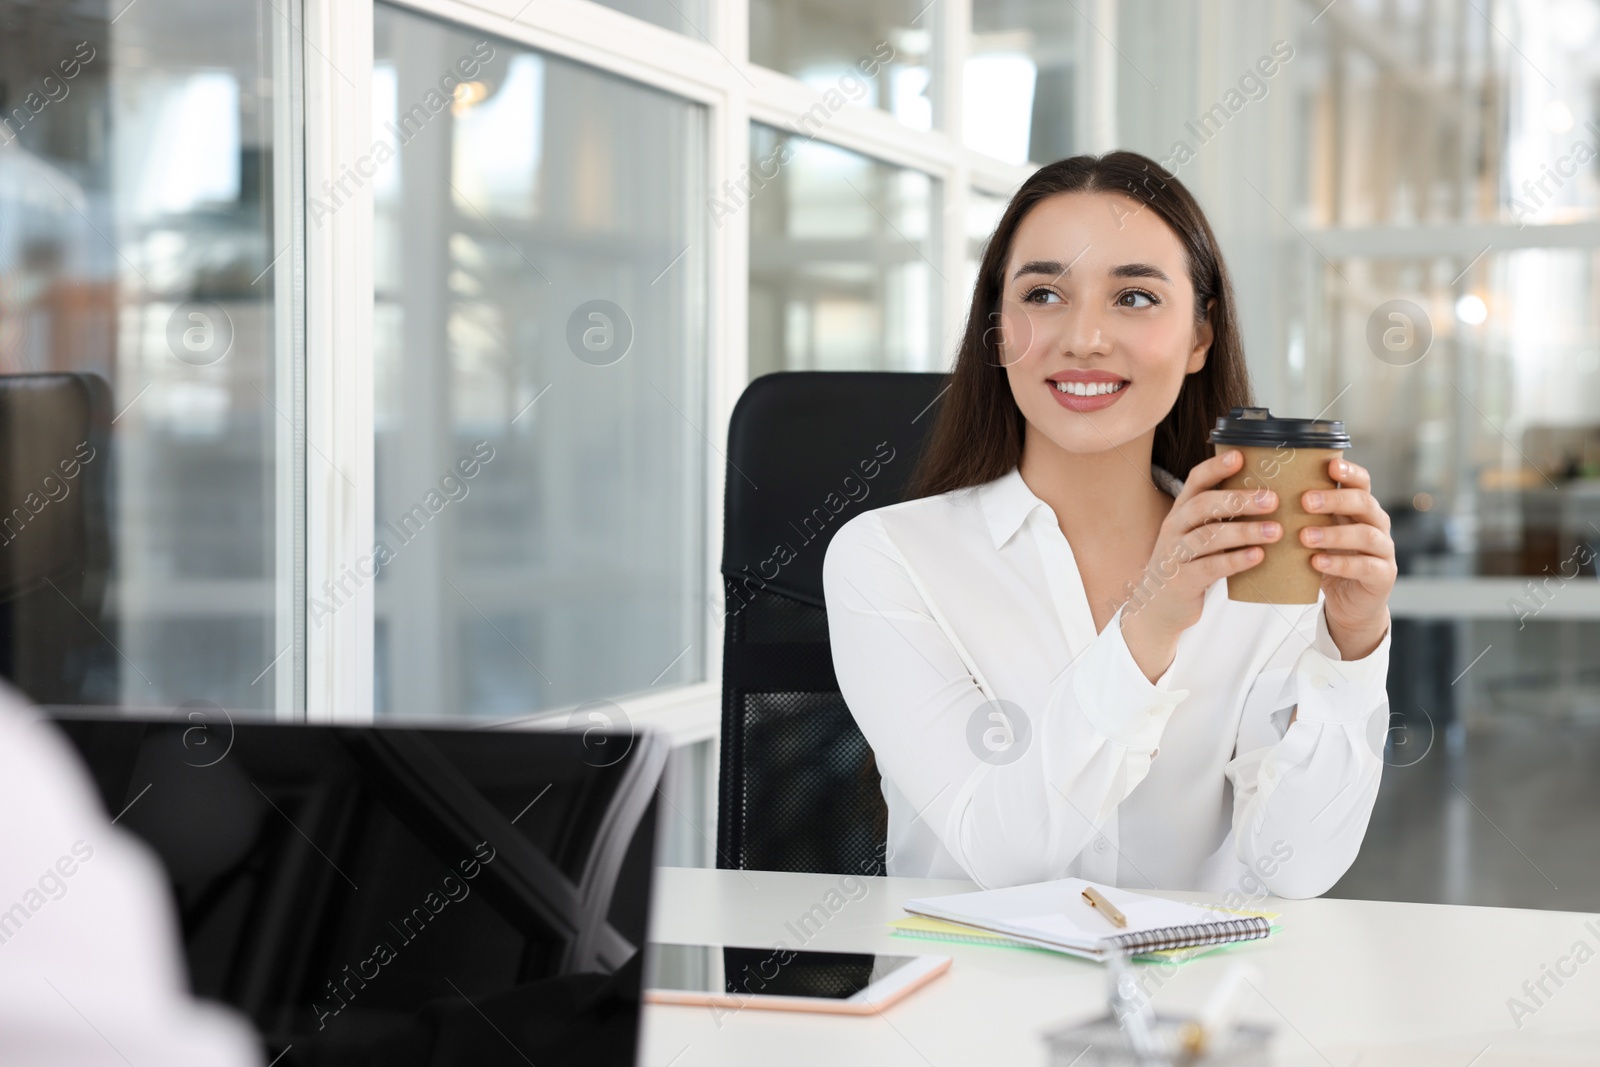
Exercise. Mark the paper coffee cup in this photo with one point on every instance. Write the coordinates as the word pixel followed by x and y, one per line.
pixel 1289 457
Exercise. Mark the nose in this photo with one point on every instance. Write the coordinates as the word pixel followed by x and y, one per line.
pixel 1084 331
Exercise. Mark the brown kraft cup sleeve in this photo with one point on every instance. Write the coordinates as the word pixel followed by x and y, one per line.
pixel 1285 575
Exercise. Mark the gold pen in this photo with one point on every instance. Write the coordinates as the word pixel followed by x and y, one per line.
pixel 1104 906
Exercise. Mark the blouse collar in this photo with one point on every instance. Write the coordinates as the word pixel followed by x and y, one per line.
pixel 1007 501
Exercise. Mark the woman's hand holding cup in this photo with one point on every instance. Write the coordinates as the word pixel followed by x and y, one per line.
pixel 1356 558
pixel 1195 546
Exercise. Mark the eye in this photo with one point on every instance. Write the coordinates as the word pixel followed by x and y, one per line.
pixel 1130 297
pixel 1029 296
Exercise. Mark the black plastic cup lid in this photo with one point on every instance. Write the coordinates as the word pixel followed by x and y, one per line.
pixel 1257 427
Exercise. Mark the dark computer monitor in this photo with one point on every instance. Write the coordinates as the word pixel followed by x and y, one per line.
pixel 399 895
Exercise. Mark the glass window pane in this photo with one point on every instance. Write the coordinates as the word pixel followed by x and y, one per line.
pixel 1492 430
pixel 841 260
pixel 1368 168
pixel 1514 138
pixel 540 349
pixel 1019 83
pixel 865 53
pixel 681 16
pixel 1489 429
pixel 983 215
pixel 144 240
pixel 1474 363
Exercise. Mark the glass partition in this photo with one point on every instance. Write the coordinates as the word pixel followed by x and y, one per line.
pixel 149 227
pixel 983 215
pixel 541 378
pixel 842 259
pixel 681 16
pixel 863 53
pixel 1020 82
pixel 1406 195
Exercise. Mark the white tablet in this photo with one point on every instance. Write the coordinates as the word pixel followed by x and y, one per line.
pixel 730 977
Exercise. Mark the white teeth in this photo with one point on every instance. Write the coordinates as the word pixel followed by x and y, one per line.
pixel 1089 388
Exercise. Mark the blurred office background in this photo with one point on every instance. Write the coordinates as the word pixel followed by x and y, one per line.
pixel 573 232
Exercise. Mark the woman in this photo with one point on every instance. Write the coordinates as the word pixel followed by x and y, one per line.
pixel 1031 721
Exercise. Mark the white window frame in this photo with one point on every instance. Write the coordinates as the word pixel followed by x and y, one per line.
pixel 714 73
pixel 339 473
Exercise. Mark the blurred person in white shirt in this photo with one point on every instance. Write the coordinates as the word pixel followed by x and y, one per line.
pixel 91 965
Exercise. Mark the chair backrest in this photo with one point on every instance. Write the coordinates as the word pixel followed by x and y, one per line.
pixel 55 541
pixel 807 451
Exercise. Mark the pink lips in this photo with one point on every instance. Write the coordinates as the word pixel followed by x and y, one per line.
pixel 1086 403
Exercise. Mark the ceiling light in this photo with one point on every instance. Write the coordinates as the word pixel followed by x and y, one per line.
pixel 1471 310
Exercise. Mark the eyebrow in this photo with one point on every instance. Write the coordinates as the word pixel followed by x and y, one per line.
pixel 1056 268
pixel 1140 270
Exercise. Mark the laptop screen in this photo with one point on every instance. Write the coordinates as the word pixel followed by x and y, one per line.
pixel 399 895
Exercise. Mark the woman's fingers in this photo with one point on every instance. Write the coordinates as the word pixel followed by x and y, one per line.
pixel 1350 537
pixel 1349 474
pixel 1206 473
pixel 1355 503
pixel 1207 543
pixel 1220 505
pixel 1222 536
pixel 1222 564
pixel 1371 572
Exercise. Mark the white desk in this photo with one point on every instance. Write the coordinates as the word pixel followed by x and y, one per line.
pixel 1407 985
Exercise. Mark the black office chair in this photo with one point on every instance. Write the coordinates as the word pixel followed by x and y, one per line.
pixel 55 539
pixel 799 786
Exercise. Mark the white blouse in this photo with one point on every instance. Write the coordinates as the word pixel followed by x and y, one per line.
pixel 92 972
pixel 1017 745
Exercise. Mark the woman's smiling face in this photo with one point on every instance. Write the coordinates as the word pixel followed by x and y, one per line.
pixel 1097 292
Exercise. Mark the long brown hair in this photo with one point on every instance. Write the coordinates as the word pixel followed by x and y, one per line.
pixel 979 431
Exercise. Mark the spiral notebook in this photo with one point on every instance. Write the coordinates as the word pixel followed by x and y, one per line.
pixel 1054 915
pixel 917 926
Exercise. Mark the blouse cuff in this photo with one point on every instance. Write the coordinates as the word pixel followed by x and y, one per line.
pixel 1117 698
pixel 1335 690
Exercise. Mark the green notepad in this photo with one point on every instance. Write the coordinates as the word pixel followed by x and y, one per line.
pixel 940 930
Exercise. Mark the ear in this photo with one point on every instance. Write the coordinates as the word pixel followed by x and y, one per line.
pixel 1203 336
